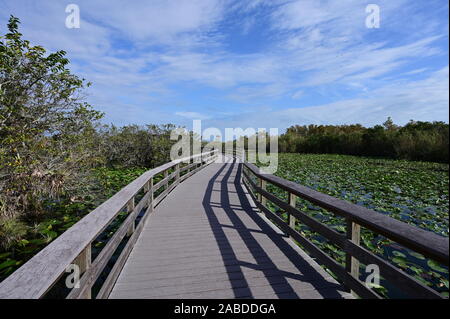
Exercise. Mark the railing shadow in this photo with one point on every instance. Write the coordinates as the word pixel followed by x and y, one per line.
pixel 230 182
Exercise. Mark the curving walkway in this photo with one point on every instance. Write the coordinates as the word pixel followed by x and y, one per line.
pixel 206 240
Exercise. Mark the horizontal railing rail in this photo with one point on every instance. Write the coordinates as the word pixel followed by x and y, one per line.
pixel 424 242
pixel 37 276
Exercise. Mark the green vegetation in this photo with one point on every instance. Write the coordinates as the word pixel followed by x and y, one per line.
pixel 46 132
pixel 28 238
pixel 413 192
pixel 422 141
pixel 57 162
pixel 135 146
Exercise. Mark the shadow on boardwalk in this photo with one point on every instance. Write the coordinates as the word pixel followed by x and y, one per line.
pixel 206 240
pixel 277 278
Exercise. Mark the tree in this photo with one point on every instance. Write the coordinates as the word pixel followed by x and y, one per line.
pixel 47 131
pixel 389 124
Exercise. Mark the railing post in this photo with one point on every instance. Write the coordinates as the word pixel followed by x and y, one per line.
pixel 353 234
pixel 177 175
pixel 148 188
pixel 242 171
pixel 292 219
pixel 263 185
pixel 166 183
pixel 151 195
pixel 260 197
pixel 83 261
pixel 130 209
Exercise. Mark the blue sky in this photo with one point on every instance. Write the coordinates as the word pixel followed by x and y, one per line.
pixel 253 63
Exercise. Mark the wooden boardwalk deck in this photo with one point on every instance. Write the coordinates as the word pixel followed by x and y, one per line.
pixel 193 231
pixel 207 240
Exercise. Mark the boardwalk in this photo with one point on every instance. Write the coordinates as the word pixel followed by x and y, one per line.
pixel 207 240
pixel 198 228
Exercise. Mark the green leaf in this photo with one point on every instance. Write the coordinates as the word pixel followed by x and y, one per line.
pixel 417 255
pixel 422 280
pixel 399 254
pixel 4 255
pixel 401 262
pixel 8 263
pixel 435 266
pixel 23 242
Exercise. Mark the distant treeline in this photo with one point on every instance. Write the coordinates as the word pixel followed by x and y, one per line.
pixel 424 141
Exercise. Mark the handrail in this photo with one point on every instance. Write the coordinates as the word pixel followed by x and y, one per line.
pixel 34 279
pixel 425 242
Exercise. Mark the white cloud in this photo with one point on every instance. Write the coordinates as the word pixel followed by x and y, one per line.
pixel 140 53
pixel 298 94
pixel 426 100
pixel 192 115
pixel 157 21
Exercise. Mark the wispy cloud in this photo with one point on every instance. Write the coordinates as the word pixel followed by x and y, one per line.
pixel 426 100
pixel 192 115
pixel 171 61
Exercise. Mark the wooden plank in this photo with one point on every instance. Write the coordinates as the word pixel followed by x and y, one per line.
pixel 192 246
pixel 144 201
pixel 37 276
pixel 315 225
pixel 350 281
pixel 159 184
pixel 83 261
pixel 354 235
pixel 121 260
pixel 425 242
pixel 396 276
pixel 166 179
pixel 130 209
pixel 89 278
pixel 408 284
pixel 263 185
pixel 260 198
pixel 292 203
pixel 152 194
pixel 160 197
pixel 147 187
pixel 102 259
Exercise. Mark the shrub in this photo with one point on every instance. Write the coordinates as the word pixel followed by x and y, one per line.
pixel 47 132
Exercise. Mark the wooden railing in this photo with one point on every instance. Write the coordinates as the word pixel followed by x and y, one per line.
pixel 36 277
pixel 424 242
pixel 234 152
